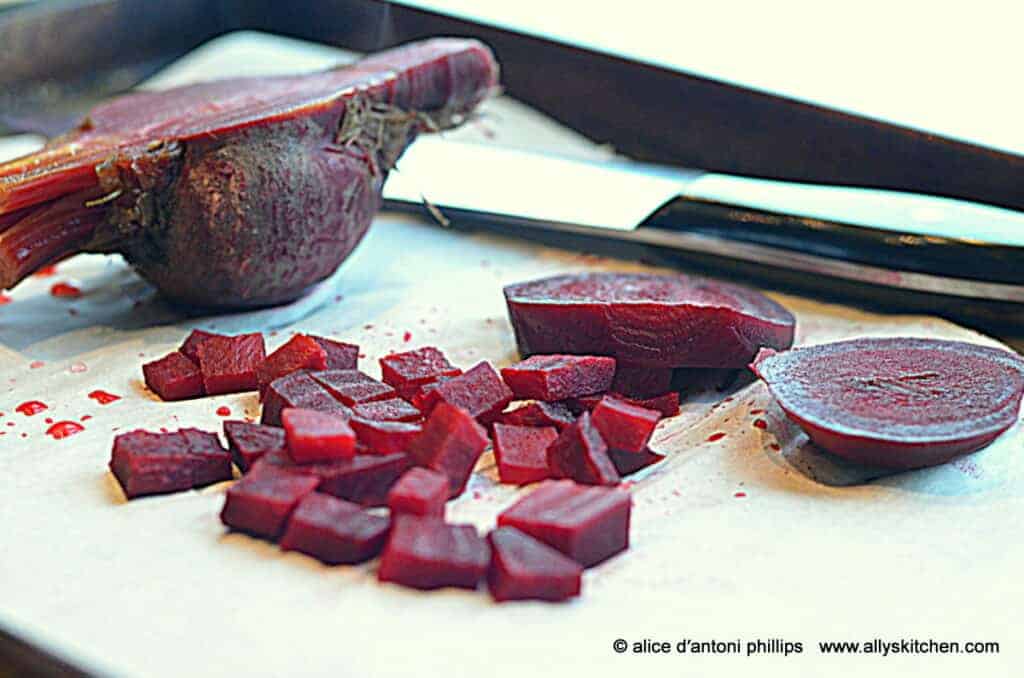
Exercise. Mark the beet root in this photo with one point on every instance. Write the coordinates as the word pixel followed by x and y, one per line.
pixel 899 403
pixel 240 192
pixel 643 320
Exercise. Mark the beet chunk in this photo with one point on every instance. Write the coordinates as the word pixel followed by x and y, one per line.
pixel 589 524
pixel 385 437
pixel 523 568
pixel 261 502
pixel 340 356
pixel 631 462
pixel 299 353
pixel 642 382
pixel 623 426
pixel 420 492
pixel 229 364
pixel 580 453
pixel 539 414
pixel 480 391
pixel 173 377
pixel 353 387
pixel 364 479
pixel 646 320
pixel 522 453
pixel 334 531
pixel 316 436
pixel 147 463
pixel 900 403
pixel 190 347
pixel 394 409
pixel 298 389
pixel 416 368
pixel 451 443
pixel 426 553
pixel 248 442
pixel 667 405
pixel 556 377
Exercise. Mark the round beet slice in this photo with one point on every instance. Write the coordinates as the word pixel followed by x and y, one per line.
pixel 899 403
pixel 647 320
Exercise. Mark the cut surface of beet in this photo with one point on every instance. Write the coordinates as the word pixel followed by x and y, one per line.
pixel 426 553
pixel 248 442
pixel 623 426
pixel 589 524
pixel 340 356
pixel 393 409
pixel 523 568
pixel 261 502
pixel 229 364
pixel 557 377
pixel 173 377
pixel 539 414
pixel 580 453
pixel 298 353
pixel 416 367
pixel 317 436
pixel 899 403
pixel 190 347
pixel 479 391
pixel 419 492
pixel 522 452
pixel 147 463
pixel 642 382
pixel 631 462
pixel 451 443
pixel 647 320
pixel 385 437
pixel 364 479
pixel 353 387
pixel 298 389
pixel 334 531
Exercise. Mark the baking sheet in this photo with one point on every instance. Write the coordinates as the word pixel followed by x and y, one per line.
pixel 731 539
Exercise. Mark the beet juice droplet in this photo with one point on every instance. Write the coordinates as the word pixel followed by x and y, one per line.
pixel 65 290
pixel 46 271
pixel 103 398
pixel 4 299
pixel 223 411
pixel 761 424
pixel 63 429
pixel 716 436
pixel 30 407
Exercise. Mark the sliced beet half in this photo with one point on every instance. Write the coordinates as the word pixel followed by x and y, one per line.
pixel 900 403
pixel 646 320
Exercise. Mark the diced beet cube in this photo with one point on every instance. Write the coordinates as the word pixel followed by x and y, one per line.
pixel 299 353
pixel 353 387
pixel 417 367
pixel 316 436
pixel 248 442
pixel 426 553
pixel 334 531
pixel 364 479
pixel 587 523
pixel 229 364
pixel 623 426
pixel 667 404
pixel 385 437
pixel 261 502
pixel 451 443
pixel 420 492
pixel 631 462
pixel 394 409
pixel 190 347
pixel 523 568
pixel 480 391
pixel 155 463
pixel 581 454
pixel 340 356
pixel 419 396
pixel 298 389
pixel 539 414
pixel 522 452
pixel 173 377
pixel 556 377
pixel 642 382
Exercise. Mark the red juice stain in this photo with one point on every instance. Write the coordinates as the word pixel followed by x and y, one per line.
pixel 4 299
pixel 224 411
pixel 29 408
pixel 775 447
pixel 63 429
pixel 35 364
pixel 10 423
pixel 407 336
pixel 46 271
pixel 761 424
pixel 48 420
pixel 86 417
pixel 24 435
pixel 716 436
pixel 103 398
pixel 65 290
pixel 740 495
pixel 754 412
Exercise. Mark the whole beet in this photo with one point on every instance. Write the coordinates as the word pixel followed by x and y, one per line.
pixel 240 192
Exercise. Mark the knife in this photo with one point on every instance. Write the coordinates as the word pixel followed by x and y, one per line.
pixel 892 240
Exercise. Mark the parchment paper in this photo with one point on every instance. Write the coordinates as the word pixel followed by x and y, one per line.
pixel 730 540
